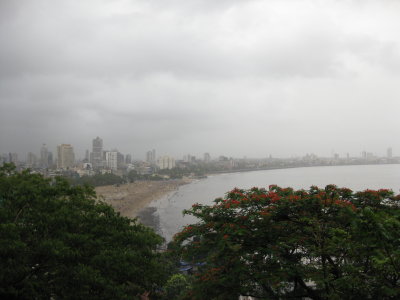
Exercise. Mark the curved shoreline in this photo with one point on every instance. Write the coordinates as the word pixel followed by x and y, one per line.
pixel 132 198
pixel 295 167
pixel 129 199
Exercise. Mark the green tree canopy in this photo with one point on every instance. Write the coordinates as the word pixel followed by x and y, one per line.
pixel 97 180
pixel 280 243
pixel 58 241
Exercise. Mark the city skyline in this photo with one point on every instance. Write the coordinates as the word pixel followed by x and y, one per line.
pixel 95 155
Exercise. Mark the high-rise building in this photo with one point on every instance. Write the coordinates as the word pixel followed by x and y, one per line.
pixel 207 157
pixel 44 156
pixel 120 160
pixel 65 156
pixel 128 159
pixel 111 158
pixel 96 157
pixel 151 157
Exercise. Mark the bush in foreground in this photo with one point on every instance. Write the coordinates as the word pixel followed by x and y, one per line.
pixel 58 241
pixel 281 243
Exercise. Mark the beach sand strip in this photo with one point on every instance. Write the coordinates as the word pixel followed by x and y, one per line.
pixel 129 199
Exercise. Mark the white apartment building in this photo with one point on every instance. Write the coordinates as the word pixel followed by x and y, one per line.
pixel 112 160
pixel 166 162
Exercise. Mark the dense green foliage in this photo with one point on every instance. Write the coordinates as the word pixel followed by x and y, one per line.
pixel 58 241
pixel 176 287
pixel 280 243
pixel 177 173
pixel 97 180
pixel 174 173
pixel 133 176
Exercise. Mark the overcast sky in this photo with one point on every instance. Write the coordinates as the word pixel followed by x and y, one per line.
pixel 239 78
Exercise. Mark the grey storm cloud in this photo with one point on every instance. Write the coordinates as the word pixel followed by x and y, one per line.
pixel 228 77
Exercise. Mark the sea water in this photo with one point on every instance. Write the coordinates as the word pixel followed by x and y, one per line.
pixel 167 212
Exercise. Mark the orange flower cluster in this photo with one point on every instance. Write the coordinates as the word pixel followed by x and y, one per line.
pixel 274 197
pixel 293 198
pixel 345 203
pixel 258 197
pixel 187 229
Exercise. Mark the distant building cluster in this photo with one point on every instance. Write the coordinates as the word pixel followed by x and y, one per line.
pixel 100 161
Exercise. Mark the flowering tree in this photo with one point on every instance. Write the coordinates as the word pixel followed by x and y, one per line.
pixel 280 243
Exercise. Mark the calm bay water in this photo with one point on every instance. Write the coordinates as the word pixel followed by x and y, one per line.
pixel 168 210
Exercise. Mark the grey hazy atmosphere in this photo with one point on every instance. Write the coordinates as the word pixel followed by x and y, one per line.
pixel 238 78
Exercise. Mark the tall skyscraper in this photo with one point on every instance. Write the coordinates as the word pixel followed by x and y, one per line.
pixel 96 157
pixel 151 156
pixel 65 156
pixel 207 157
pixel 44 156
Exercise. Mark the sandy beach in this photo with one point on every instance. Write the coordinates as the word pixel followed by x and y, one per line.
pixel 129 199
